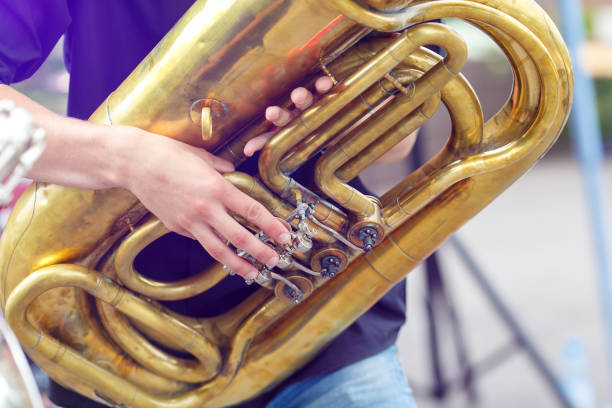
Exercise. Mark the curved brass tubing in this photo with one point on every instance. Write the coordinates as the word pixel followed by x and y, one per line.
pixel 355 143
pixel 360 161
pixel 514 118
pixel 325 109
pixel 412 198
pixel 328 106
pixel 98 376
pixel 519 111
pixel 383 121
pixel 387 22
pixel 62 275
pixel 466 135
pixel 121 330
pixel 343 120
pixel 135 242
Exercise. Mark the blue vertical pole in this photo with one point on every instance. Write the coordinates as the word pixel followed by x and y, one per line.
pixel 586 138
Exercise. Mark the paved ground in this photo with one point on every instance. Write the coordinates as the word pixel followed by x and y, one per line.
pixel 535 245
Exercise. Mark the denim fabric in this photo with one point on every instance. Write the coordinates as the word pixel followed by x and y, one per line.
pixel 376 382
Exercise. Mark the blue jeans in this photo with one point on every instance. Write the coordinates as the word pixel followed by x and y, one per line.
pixel 376 382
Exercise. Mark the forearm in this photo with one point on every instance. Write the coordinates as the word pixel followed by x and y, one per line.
pixel 78 153
pixel 181 184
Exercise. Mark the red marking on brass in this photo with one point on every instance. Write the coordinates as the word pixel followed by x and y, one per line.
pixel 321 33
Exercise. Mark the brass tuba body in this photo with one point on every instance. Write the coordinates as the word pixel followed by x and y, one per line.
pixel 68 286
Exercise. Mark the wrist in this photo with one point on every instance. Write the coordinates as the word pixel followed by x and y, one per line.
pixel 128 158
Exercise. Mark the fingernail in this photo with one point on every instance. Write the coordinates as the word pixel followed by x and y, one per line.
pixel 272 262
pixel 285 238
pixel 272 113
pixel 252 275
pixel 300 94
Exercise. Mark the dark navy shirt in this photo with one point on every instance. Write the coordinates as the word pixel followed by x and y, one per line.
pixel 104 42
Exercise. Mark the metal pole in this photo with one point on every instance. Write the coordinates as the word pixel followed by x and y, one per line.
pixel 586 138
pixel 508 318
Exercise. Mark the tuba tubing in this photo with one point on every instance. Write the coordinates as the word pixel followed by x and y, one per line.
pixel 68 286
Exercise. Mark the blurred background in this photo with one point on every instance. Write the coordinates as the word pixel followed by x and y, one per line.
pixel 534 245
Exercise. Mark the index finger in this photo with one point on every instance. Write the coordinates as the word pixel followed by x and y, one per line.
pixel 254 212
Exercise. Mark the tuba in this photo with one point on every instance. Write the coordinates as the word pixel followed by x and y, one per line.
pixel 83 312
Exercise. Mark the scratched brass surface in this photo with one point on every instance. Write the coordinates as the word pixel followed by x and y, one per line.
pixel 63 247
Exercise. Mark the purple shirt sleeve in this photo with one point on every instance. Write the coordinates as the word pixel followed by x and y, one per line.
pixel 28 31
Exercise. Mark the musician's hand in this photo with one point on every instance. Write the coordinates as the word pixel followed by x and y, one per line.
pixel 183 186
pixel 302 98
pixel 202 196
pixel 180 184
